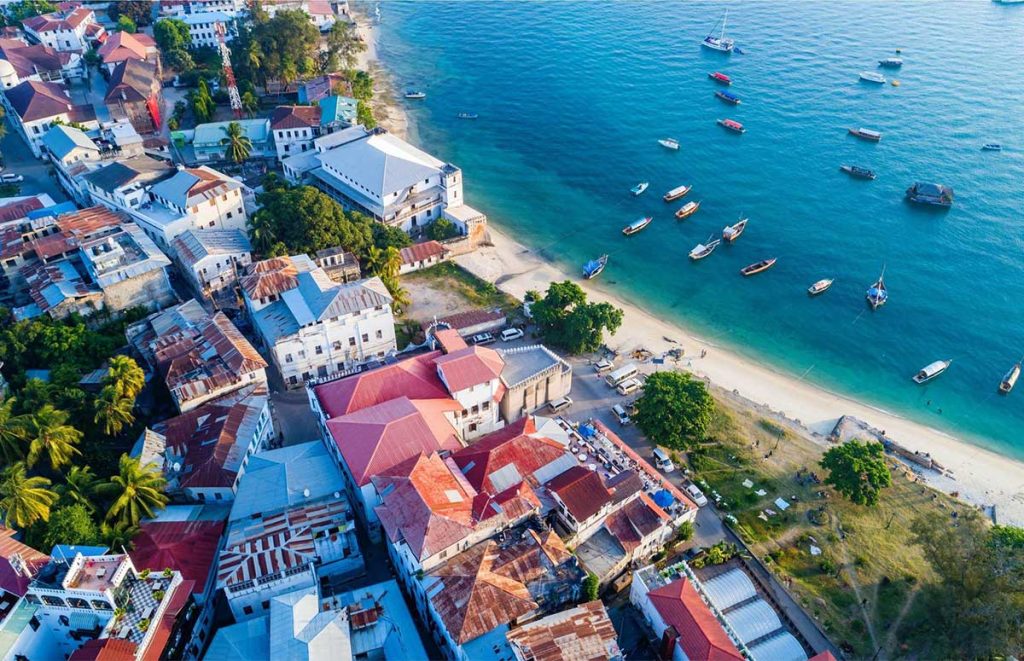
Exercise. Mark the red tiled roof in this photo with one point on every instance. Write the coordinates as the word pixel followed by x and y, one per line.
pixel 582 491
pixel 57 22
pixel 34 99
pixel 514 444
pixel 823 656
pixel 189 547
pixel 125 45
pixel 105 649
pixel 295 117
pixel 450 340
pixel 165 626
pixel 415 378
pixel 701 636
pixel 12 580
pixel 30 60
pixel 469 367
pixel 269 277
pixel 19 209
pixel 419 252
pixel 636 520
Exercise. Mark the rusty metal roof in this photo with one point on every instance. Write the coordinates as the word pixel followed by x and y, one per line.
pixel 584 633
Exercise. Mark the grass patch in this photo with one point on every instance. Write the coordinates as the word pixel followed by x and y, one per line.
pixel 474 290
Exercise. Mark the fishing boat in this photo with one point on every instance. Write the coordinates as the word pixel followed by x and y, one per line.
pixel 935 195
pixel 720 77
pixel 687 210
pixel 639 188
pixel 857 171
pixel 669 143
pixel 758 267
pixel 932 370
pixel 728 97
pixel 877 294
pixel 891 63
pixel 820 287
pixel 732 232
pixel 702 250
pixel 732 125
pixel 1009 379
pixel 721 43
pixel 676 193
pixel 637 225
pixel 468 115
pixel 866 134
pixel 872 77
pixel 593 268
pixel 415 94
pixel 992 146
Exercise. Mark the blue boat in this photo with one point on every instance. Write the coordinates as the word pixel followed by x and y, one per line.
pixel 877 293
pixel 594 267
pixel 728 97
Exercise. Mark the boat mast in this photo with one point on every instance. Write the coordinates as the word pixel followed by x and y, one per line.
pixel 725 18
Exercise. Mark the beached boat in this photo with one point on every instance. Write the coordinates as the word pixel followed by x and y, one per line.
pixel 866 134
pixel 891 63
pixel 1009 379
pixel 468 115
pixel 992 146
pixel 935 195
pixel 637 225
pixel 669 143
pixel 415 94
pixel 732 232
pixel 676 193
pixel 639 188
pixel 721 43
pixel 593 268
pixel 877 294
pixel 857 171
pixel 758 267
pixel 820 287
pixel 932 370
pixel 872 77
pixel 687 210
pixel 720 77
pixel 728 97
pixel 732 125
pixel 702 250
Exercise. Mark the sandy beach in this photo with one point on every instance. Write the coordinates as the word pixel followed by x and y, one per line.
pixel 386 105
pixel 981 477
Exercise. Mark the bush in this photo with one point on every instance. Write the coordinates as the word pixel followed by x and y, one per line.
pixel 590 587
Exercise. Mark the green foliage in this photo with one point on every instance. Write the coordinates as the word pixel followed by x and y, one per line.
pixel 674 410
pixel 568 321
pixel 13 433
pixel 238 144
pixel 1009 537
pixel 136 492
pixel 388 236
pixel 858 471
pixel 19 11
pixel 79 488
pixel 362 86
pixel 91 57
pixel 284 42
pixel 126 24
pixel 23 499
pixel 343 46
pixel 203 106
pixel 69 524
pixel 250 103
pixel 591 584
pixel 364 115
pixel 718 554
pixel 114 411
pixel 9 190
pixel 442 229
pixel 684 532
pixel 180 60
pixel 171 34
pixel 140 13
pixel 305 220
pixel 51 437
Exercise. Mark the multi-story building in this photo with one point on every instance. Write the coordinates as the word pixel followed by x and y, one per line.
pixel 208 140
pixel 22 220
pixel 233 8
pixel 123 46
pixel 585 630
pixel 339 264
pixel 70 150
pixel 320 12
pixel 20 62
pixel 122 185
pixel 74 29
pixel 533 376
pixel 133 94
pixel 294 128
pixel 212 260
pixel 312 326
pixel 34 106
pixel 205 27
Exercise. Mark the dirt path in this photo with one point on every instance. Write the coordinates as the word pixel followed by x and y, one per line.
pixel 855 584
pixel 890 639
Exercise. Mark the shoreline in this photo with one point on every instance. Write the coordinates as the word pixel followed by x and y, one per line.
pixel 386 104
pixel 979 476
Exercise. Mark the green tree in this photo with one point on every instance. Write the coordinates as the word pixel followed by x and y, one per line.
pixel 79 487
pixel 591 585
pixel 384 236
pixel 362 86
pixel 250 104
pixel 172 34
pixel 384 263
pixel 113 411
pixel 238 144
pixel 137 492
pixel 364 115
pixel 305 220
pixel 344 44
pixel 261 232
pixel 180 60
pixel 284 41
pixel 13 433
pixel 126 24
pixel 674 410
pixel 567 320
pixel 202 103
pixel 118 536
pixel 19 11
pixel 51 436
pixel 442 229
pixel 23 499
pixel 125 376
pixel 140 13
pixel 71 524
pixel 857 470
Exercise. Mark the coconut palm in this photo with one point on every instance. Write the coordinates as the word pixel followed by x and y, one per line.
pixel 12 432
pixel 261 232
pixel 125 376
pixel 23 499
pixel 137 491
pixel 239 146
pixel 118 536
pixel 250 104
pixel 289 74
pixel 51 435
pixel 80 487
pixel 113 411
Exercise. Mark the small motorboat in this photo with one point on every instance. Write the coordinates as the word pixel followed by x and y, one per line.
pixel 593 268
pixel 720 77
pixel 992 146
pixel 935 195
pixel 669 143
pixel 932 370
pixel 721 43
pixel 676 193
pixel 866 134
pixel 877 294
pixel 820 287
pixel 468 115
pixel 732 125
pixel 728 97
pixel 758 267
pixel 637 225
pixel 732 232
pixel 891 63
pixel 702 250
pixel 687 210
pixel 857 171
pixel 872 77
pixel 415 94
pixel 639 188
pixel 1009 379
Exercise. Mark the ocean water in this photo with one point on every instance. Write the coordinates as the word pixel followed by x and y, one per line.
pixel 572 97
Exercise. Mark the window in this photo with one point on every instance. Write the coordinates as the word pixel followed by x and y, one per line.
pixel 351 341
pixel 337 345
pixel 475 409
pixel 230 214
pixel 380 335
pixel 319 349
pixel 486 406
pixel 218 496
pixel 472 427
pixel 287 358
pixel 293 380
pixel 266 605
pixel 366 337
pixel 247 610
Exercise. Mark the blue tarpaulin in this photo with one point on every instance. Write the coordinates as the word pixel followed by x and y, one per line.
pixel 587 431
pixel 663 498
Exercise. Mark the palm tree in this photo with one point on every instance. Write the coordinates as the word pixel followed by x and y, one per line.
pixel 118 536
pixel 239 146
pixel 23 499
pixel 374 259
pixel 126 377
pixel 113 411
pixel 12 433
pixel 250 104
pixel 289 73
pixel 261 232
pixel 51 435
pixel 392 263
pixel 80 487
pixel 138 491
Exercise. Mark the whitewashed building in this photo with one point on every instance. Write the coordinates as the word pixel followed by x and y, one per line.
pixel 33 106
pixel 203 27
pixel 212 259
pixel 70 30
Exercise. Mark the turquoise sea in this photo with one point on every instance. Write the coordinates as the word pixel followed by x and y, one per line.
pixel 572 97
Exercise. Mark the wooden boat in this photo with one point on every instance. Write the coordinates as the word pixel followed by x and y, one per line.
pixel 669 143
pixel 820 287
pixel 858 171
pixel 468 115
pixel 992 146
pixel 877 294
pixel 1009 379
pixel 866 134
pixel 728 97
pixel 732 125
pixel 732 232
pixel 637 225
pixel 935 195
pixel 593 268
pixel 415 94
pixel 891 63
pixel 758 267
pixel 931 370
pixel 639 188
pixel 872 77
pixel 702 250
pixel 720 77
pixel 687 210
pixel 676 193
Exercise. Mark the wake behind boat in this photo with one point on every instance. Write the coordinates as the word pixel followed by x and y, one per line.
pixel 639 188
pixel 637 225
pixel 669 143
pixel 593 268
pixel 877 294
pixel 702 250
pixel 720 43
pixel 758 267
pixel 687 210
pixel 1009 379
pixel 857 171
pixel 676 193
pixel 931 370
pixel 732 232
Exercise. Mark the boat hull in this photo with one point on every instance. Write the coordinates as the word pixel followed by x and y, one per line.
pixel 686 212
pixel 676 193
pixel 1009 380
pixel 738 230
pixel 630 230
pixel 819 287
pixel 871 137
pixel 759 267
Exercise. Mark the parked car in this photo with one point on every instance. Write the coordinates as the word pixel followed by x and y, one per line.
pixel 697 495
pixel 628 387
pixel 510 334
pixel 560 404
pixel 620 413
pixel 11 178
pixel 603 365
pixel 662 461
pixel 482 339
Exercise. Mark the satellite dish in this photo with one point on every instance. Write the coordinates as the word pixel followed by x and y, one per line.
pixel 337 494
pixel 305 492
pixel 176 466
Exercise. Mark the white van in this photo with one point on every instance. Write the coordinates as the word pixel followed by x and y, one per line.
pixel 620 413
pixel 510 334
pixel 560 404
pixel 618 376
pixel 697 495
pixel 628 387
pixel 662 461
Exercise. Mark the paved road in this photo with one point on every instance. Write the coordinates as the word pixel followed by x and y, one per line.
pixel 18 159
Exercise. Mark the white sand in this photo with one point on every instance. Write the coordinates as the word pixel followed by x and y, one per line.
pixel 982 477
pixel 388 109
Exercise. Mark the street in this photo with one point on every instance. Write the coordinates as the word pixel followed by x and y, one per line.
pixel 18 159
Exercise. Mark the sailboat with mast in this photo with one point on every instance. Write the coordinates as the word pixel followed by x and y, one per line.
pixel 721 43
pixel 877 294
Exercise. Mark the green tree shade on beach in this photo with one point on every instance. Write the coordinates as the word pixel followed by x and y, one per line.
pixel 13 434
pixel 238 144
pixel 674 410
pixel 52 437
pixel 364 115
pixel 568 321
pixel 137 492
pixel 362 86
pixel 858 471
pixel 23 499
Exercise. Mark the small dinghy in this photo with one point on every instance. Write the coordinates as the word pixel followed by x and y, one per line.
pixel 593 268
pixel 877 294
pixel 687 210
pixel 669 143
pixel 1009 379
pixel 637 225
pixel 732 232
pixel 758 267
pixel 676 193
pixel 702 250
pixel 820 287
pixel 639 188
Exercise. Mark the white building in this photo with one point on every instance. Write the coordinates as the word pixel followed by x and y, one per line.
pixel 212 259
pixel 65 30
pixel 320 12
pixel 205 27
pixel 294 128
pixel 70 150
pixel 33 106
pixel 121 185
pixel 313 326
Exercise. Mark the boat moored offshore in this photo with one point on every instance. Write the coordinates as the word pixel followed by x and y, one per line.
pixel 758 267
pixel 687 210
pixel 732 125
pixel 935 195
pixel 702 250
pixel 857 171
pixel 637 225
pixel 732 232
pixel 728 97
pixel 872 77
pixel 720 77
pixel 820 287
pixel 415 94
pixel 676 193
pixel 992 146
pixel 931 370
pixel 877 294
pixel 669 143
pixel 639 188
pixel 1009 379
pixel 593 268
pixel 891 63
pixel 866 134
pixel 721 43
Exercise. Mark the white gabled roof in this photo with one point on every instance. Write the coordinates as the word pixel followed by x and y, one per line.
pixel 382 164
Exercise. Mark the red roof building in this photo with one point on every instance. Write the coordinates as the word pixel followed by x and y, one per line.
pixel 190 547
pixel 581 492
pixel 511 455
pixel 295 117
pixel 469 367
pixel 414 378
pixel 698 631
pixel 18 563
pixel 105 649
pixel 123 46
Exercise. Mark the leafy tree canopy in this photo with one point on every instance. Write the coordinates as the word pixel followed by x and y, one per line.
pixel 442 229
pixel 139 12
pixel 674 410
pixel 858 471
pixel 126 24
pixel 71 524
pixel 287 39
pixel 387 236
pixel 171 34
pixel 304 220
pixel 19 11
pixel 567 320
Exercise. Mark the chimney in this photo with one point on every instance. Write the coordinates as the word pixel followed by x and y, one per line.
pixel 668 643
